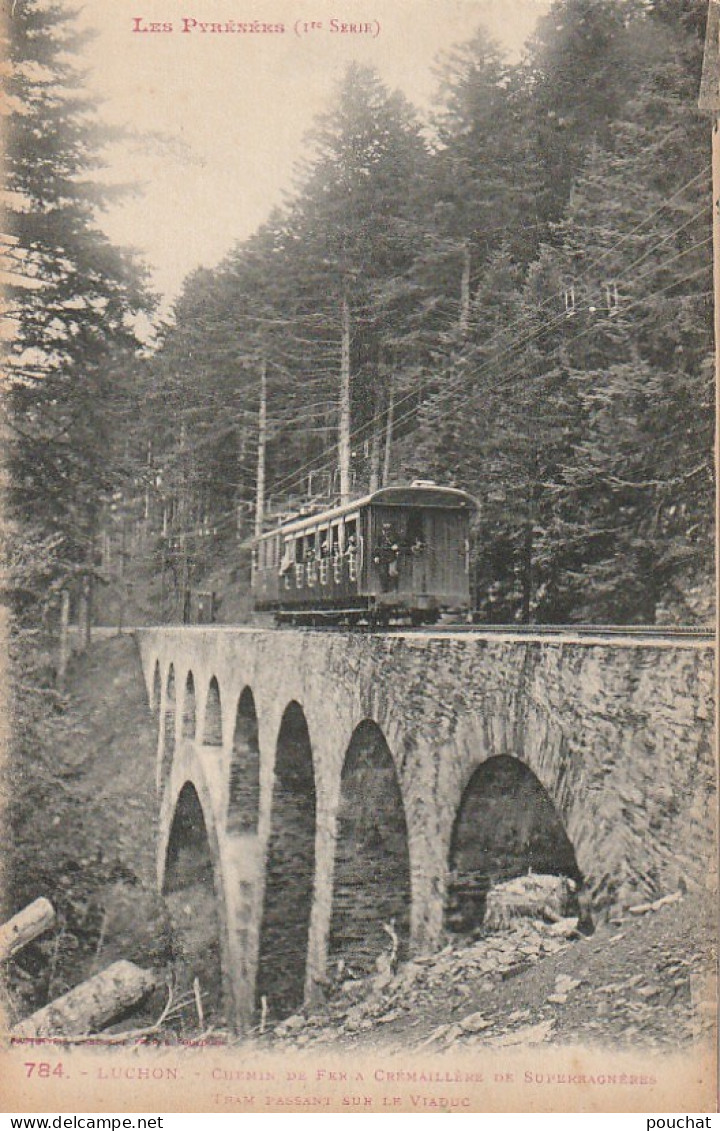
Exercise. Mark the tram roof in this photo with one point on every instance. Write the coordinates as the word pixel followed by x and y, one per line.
pixel 414 495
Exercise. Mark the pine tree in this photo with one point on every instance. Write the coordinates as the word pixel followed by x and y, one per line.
pixel 585 62
pixel 633 514
pixel 478 181
pixel 71 298
pixel 356 216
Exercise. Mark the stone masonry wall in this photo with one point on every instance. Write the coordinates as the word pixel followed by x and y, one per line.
pixel 619 734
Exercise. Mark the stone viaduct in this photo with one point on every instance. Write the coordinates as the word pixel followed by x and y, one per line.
pixel 335 783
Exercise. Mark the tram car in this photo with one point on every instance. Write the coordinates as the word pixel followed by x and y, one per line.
pixel 400 554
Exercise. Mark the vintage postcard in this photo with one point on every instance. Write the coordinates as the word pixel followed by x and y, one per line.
pixel 359 498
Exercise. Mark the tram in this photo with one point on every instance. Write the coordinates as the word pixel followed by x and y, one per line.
pixel 400 554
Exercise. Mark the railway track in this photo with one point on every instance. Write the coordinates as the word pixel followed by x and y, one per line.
pixel 580 630
pixel 572 631
pixel 670 634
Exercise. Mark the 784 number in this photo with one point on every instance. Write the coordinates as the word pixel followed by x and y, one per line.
pixel 42 1069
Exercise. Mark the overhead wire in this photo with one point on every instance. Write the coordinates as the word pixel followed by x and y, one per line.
pixel 295 477
pixel 223 518
pixel 511 346
pixel 604 255
pixel 561 318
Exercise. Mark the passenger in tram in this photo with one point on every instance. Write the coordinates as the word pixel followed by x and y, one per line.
pixel 288 559
pixel 385 557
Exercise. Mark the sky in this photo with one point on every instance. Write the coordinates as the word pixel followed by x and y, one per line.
pixel 220 116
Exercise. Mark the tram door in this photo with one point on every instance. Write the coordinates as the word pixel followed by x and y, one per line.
pixel 415 565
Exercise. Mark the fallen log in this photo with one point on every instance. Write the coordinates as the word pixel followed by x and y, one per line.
pixel 37 917
pixel 90 1006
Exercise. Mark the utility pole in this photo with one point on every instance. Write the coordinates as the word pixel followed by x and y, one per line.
pixel 389 428
pixel 465 289
pixel 242 445
pixel 148 480
pixel 262 445
pixel 344 427
pixel 375 454
pixel 376 438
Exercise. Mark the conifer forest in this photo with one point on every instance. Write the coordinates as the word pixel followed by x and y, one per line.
pixel 517 284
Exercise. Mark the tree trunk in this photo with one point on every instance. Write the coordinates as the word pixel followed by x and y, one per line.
pixel 90 1006
pixel 88 610
pixel 64 654
pixel 527 571
pixel 37 917
pixel 84 614
pixel 465 290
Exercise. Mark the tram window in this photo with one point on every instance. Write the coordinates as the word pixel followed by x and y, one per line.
pixel 324 536
pixel 300 549
pixel 351 532
pixel 335 544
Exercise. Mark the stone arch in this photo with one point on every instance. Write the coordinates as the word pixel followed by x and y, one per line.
pixel 290 870
pixel 189 708
pixel 212 727
pixel 168 750
pixel 191 895
pixel 156 689
pixel 244 784
pixel 371 886
pixel 506 825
